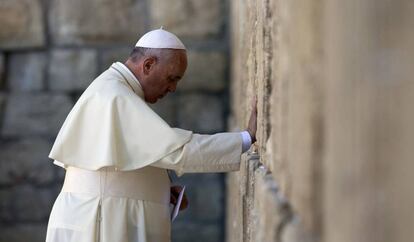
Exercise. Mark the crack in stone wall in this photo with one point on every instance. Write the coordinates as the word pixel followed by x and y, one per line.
pixel 334 124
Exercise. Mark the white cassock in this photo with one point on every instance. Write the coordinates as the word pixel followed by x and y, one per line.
pixel 116 152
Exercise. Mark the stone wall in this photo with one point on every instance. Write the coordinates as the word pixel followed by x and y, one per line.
pixel 50 50
pixel 335 132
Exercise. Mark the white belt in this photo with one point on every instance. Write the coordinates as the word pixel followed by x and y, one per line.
pixel 147 183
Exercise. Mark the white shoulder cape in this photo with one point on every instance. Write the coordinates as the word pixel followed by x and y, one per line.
pixel 112 125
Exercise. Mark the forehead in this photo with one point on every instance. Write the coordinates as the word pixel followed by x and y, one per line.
pixel 176 61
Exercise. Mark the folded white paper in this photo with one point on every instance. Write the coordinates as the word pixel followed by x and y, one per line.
pixel 176 208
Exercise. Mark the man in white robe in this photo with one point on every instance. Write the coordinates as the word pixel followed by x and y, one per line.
pixel 116 150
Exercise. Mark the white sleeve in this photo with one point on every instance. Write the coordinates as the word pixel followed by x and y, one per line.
pixel 247 141
pixel 206 153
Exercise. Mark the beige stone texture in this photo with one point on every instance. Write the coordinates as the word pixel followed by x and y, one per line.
pixel 335 93
pixel 35 114
pixel 79 22
pixel 369 192
pixel 240 200
pixel 188 18
pixel 21 24
pixel 206 70
pixel 277 57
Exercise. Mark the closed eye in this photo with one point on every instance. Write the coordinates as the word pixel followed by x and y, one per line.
pixel 171 79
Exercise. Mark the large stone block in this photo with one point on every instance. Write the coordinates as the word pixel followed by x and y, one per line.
pixel 205 71
pixel 368 190
pixel 206 198
pixel 72 70
pixel 200 113
pixel 35 114
pixel 26 203
pixel 190 232
pixel 96 21
pixel 26 160
pixel 293 231
pixel 32 203
pixel 27 71
pixel 25 232
pixel 109 56
pixel 188 18
pixel 21 24
pixel 277 55
pixel 267 197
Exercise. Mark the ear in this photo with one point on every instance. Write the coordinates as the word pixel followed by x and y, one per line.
pixel 148 64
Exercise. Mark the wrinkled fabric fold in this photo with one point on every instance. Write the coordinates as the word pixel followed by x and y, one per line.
pixel 109 205
pixel 112 126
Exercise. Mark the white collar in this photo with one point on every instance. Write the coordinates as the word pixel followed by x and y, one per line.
pixel 129 78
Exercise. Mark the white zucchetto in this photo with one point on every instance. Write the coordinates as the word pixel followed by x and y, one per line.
pixel 160 39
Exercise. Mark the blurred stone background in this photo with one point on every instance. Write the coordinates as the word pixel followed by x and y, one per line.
pixel 50 50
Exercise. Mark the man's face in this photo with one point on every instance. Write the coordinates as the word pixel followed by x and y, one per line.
pixel 162 76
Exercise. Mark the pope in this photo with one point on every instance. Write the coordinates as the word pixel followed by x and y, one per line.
pixel 117 151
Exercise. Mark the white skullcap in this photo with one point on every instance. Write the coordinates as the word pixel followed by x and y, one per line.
pixel 160 39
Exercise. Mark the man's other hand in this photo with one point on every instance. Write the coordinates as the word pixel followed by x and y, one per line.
pixel 252 126
pixel 175 192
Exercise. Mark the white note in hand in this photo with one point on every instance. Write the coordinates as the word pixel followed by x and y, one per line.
pixel 177 206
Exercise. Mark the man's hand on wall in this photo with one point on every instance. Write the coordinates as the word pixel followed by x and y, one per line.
pixel 252 126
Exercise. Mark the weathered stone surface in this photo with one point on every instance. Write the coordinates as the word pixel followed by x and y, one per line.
pixel 107 57
pixel 194 18
pixel 35 114
pixel 277 57
pixel 205 71
pixel 39 200
pixel 297 107
pixel 96 21
pixel 25 232
pixel 21 24
pixel 26 161
pixel 267 197
pixel 26 203
pixel 293 231
pixel 368 192
pixel 205 193
pixel 334 119
pixel 234 208
pixel 72 70
pixel 190 232
pixel 200 113
pixel 27 71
